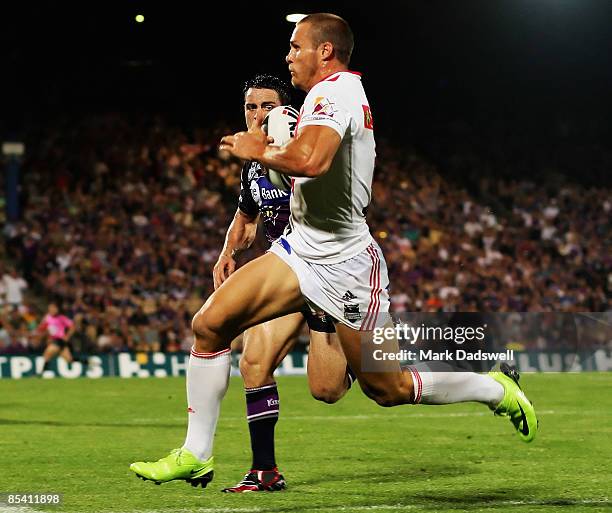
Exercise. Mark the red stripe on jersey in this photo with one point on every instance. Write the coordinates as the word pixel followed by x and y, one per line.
pixel 367 317
pixel 376 289
pixel 374 305
pixel 377 293
pixel 329 78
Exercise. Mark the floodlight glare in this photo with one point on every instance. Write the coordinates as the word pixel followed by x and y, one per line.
pixel 294 18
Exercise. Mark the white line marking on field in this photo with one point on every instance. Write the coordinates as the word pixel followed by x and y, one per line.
pixel 19 509
pixel 331 418
pixel 374 507
pixel 549 502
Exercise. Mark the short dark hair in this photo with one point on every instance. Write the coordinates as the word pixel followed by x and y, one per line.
pixel 264 81
pixel 334 29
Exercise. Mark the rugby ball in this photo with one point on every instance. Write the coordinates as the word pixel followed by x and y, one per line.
pixel 280 124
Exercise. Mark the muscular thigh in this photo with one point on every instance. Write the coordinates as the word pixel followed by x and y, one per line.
pixel 265 288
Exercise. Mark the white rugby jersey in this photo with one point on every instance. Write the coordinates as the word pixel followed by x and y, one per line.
pixel 328 223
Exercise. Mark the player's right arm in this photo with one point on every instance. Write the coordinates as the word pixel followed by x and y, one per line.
pixel 43 325
pixel 240 236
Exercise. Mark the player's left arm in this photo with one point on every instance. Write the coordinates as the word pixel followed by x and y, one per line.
pixel 310 154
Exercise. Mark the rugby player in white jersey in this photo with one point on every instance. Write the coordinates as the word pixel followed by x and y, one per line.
pixel 327 258
pixel 265 345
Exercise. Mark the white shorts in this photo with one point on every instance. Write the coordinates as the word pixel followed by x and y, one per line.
pixel 354 292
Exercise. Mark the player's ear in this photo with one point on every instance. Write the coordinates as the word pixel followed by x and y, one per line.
pixel 326 50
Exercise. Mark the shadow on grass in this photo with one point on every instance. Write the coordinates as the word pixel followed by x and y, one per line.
pixel 498 501
pixel 398 475
pixel 519 498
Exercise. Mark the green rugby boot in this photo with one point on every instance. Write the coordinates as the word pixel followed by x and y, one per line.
pixel 515 404
pixel 180 464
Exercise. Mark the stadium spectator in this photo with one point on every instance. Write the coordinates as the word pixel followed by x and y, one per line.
pixel 123 223
pixel 13 288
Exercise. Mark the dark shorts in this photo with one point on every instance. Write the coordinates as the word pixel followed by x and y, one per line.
pixel 61 343
pixel 319 321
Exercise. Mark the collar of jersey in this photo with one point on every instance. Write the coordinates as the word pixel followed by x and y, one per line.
pixel 330 77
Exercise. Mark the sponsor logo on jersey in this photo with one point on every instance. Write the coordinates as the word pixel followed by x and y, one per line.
pixel 253 173
pixel 269 194
pixel 352 313
pixel 368 120
pixel 348 296
pixel 255 192
pixel 324 106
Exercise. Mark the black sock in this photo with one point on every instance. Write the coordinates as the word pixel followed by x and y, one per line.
pixel 262 414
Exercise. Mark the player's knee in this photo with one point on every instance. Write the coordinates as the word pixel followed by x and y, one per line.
pixel 386 397
pixel 326 394
pixel 208 326
pixel 207 322
pixel 389 399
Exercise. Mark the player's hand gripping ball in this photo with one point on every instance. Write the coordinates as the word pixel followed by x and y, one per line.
pixel 280 124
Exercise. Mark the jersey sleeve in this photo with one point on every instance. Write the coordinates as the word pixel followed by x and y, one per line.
pixel 324 107
pixel 43 325
pixel 246 203
pixel 68 323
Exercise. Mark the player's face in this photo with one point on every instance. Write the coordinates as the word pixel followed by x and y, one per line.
pixel 53 309
pixel 257 104
pixel 302 57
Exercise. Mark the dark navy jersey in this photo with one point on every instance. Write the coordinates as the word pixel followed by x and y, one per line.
pixel 259 196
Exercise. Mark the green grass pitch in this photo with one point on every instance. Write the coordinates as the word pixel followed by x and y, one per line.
pixel 78 437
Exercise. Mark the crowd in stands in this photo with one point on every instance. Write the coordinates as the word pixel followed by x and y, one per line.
pixel 123 222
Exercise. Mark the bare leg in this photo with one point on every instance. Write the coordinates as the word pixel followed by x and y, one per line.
pixel 265 347
pixel 327 367
pixel 262 290
pixel 389 388
pixel 51 351
pixel 266 288
pixel 66 354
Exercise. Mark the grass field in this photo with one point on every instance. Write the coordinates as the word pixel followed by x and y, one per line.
pixel 78 437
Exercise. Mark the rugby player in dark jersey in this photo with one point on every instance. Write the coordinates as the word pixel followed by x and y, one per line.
pixel 267 344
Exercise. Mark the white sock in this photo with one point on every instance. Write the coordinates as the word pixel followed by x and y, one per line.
pixel 207 381
pixel 436 383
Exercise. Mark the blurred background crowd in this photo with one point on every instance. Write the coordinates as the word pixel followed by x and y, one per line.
pixel 123 219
